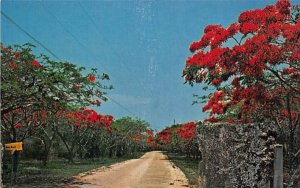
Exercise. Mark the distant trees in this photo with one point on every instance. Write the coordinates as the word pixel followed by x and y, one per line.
pixel 129 136
pixel 180 138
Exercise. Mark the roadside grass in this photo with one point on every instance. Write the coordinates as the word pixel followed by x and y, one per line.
pixel 188 166
pixel 32 174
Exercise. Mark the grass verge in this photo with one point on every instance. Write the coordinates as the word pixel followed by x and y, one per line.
pixel 32 174
pixel 188 166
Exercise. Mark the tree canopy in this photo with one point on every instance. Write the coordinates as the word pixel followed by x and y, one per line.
pixel 253 65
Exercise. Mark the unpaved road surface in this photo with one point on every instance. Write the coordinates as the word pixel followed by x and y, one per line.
pixel 153 170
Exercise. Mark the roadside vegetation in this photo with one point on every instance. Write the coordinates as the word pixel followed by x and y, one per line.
pixel 34 174
pixel 180 145
pixel 188 167
pixel 52 108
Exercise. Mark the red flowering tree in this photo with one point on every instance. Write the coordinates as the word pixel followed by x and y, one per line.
pixel 187 139
pixel 151 142
pixel 33 84
pixel 27 82
pixel 180 138
pixel 75 126
pixel 254 66
pixel 36 81
pixel 165 136
pixel 187 131
pixel 20 123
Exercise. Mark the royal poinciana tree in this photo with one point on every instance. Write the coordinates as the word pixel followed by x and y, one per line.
pixel 180 138
pixel 38 84
pixel 254 66
pixel 36 81
pixel 80 125
pixel 35 89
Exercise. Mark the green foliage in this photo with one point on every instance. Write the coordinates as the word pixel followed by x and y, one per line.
pixel 128 124
pixel 40 99
pixel 34 174
pixel 31 83
pixel 35 93
pixel 128 136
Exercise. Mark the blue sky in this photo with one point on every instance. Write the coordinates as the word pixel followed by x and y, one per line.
pixel 142 45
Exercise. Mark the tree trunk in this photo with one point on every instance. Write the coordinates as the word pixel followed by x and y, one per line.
pixel 71 157
pixel 71 152
pixel 47 149
pixel 1 159
pixel 110 153
pixel 119 152
pixel 46 155
pixel 15 164
pixel 70 149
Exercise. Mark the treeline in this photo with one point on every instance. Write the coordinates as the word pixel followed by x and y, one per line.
pixel 181 139
pixel 47 105
pixel 125 137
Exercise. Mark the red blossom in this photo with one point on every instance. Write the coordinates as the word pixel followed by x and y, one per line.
pixel 187 130
pixel 233 29
pixel 283 6
pixel 13 65
pixel 289 70
pixel 216 82
pixel 16 55
pixel 229 120
pixel 266 42
pixel 136 137
pixel 18 125
pixel 295 56
pixel 88 117
pixel 35 63
pixel 235 82
pixel 150 139
pixel 109 129
pixel 211 119
pixel 248 28
pixel 165 136
pixel 285 113
pixel 107 120
pixel 210 28
pixel 217 108
pixel 91 78
pixel 294 114
pixel 194 46
pixel 96 102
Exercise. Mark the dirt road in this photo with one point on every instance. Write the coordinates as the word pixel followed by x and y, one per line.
pixel 153 170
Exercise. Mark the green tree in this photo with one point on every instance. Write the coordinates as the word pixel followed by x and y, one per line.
pixel 34 84
pixel 128 136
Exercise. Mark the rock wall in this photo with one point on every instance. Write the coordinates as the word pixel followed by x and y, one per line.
pixel 236 155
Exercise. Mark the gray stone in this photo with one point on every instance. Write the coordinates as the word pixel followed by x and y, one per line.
pixel 236 155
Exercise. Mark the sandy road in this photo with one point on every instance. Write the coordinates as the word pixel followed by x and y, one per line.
pixel 153 170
